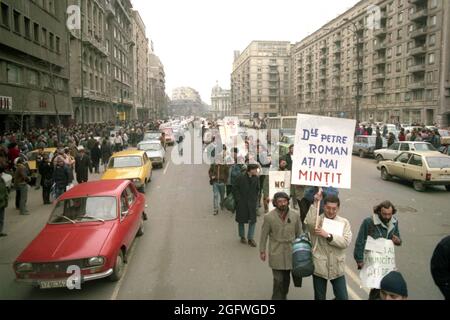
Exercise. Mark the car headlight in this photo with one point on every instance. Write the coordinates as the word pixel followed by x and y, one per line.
pixel 96 261
pixel 137 182
pixel 24 267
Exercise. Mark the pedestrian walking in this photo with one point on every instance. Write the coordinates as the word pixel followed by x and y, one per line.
pixel 382 224
pixel 245 193
pixel 39 159
pixel 118 143
pixel 82 165
pixel 378 141
pixel 46 171
pixel 393 287
pixel 96 155
pixel 106 152
pixel 4 196
pixel 62 177
pixel 328 249
pixel 237 167
pixel 21 180
pixel 281 226
pixel 440 266
pixel 218 176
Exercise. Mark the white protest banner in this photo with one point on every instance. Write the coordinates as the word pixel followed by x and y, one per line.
pixel 323 151
pixel 334 227
pixel 279 181
pixel 377 263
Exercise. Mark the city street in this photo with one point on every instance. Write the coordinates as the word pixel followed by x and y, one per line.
pixel 187 253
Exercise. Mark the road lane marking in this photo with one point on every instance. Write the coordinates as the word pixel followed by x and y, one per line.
pixel 119 284
pixel 167 167
pixel 355 278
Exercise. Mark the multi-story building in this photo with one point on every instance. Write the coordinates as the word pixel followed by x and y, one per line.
pixel 157 88
pixel 89 65
pixel 260 79
pixel 220 102
pixel 382 60
pixel 34 60
pixel 141 64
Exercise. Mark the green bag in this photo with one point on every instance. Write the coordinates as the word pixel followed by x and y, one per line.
pixel 229 203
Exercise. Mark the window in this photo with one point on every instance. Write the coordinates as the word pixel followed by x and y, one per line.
pixel 390 22
pixel 52 41
pixel 433 21
pixel 389 68
pixel 394 146
pixel 27 27
pixel 404 147
pixel 399 50
pixel 13 74
pixel 398 66
pixel 131 197
pixel 58 45
pixel 433 4
pixel 399 33
pixel 51 6
pixel 5 15
pixel 33 78
pixel 410 28
pixel 432 40
pixel 431 58
pixel 36 32
pixel 44 36
pixel 124 202
pixel 400 18
pixel 16 16
pixel 404 157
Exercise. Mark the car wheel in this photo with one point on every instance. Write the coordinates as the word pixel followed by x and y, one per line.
pixel 118 268
pixel 141 228
pixel 447 187
pixel 418 186
pixel 362 154
pixel 385 175
pixel 379 158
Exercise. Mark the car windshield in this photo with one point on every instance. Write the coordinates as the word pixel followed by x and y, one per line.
pixel 149 136
pixel 85 209
pixel 424 147
pixel 149 146
pixel 125 162
pixel 438 162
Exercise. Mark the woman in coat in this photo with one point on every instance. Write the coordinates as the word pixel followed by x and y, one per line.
pixel 245 192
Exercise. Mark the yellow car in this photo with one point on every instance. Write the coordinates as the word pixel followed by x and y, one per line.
pixel 131 165
pixel 32 157
pixel 422 168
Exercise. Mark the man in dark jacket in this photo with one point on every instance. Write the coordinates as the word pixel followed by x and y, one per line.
pixel 82 165
pixel 245 193
pixel 382 224
pixel 21 179
pixel 61 177
pixel 106 151
pixel 440 267
pixel 46 172
pixel 96 155
pixel 378 141
pixel 218 177
pixel 3 200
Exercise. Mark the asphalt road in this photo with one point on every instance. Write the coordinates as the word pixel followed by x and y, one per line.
pixel 187 253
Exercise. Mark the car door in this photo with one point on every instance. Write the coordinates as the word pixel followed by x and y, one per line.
pixel 133 212
pixel 391 152
pixel 126 221
pixel 399 164
pixel 414 170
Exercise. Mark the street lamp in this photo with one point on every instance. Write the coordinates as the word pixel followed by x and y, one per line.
pixel 359 70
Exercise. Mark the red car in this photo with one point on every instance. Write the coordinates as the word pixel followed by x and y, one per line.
pixel 92 227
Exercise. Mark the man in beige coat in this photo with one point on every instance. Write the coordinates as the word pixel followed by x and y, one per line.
pixel 281 225
pixel 328 249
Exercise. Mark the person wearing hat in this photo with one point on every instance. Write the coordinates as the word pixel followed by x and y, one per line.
pixel 281 226
pixel 82 165
pixel 393 287
pixel 245 192
pixel 440 266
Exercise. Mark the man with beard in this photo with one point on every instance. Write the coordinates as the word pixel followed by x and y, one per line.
pixel 382 224
pixel 281 226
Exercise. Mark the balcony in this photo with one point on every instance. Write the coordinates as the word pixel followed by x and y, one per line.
pixel 380 60
pixel 417 68
pixel 420 50
pixel 379 76
pixel 420 32
pixel 337 38
pixel 380 46
pixel 416 85
pixel 419 15
pixel 322 76
pixel 378 90
pixel 380 32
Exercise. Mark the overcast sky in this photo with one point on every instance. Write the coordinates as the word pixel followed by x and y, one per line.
pixel 195 39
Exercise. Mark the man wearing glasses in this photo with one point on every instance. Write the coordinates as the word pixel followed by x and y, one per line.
pixel 328 249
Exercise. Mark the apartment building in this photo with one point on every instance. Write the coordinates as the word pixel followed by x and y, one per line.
pixel 260 80
pixel 379 61
pixel 34 60
pixel 157 87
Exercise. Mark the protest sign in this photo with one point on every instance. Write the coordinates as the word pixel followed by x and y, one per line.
pixel 379 260
pixel 231 125
pixel 323 151
pixel 279 181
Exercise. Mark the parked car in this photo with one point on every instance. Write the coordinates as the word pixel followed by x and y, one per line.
pixel 8 180
pixel 445 136
pixel 92 227
pixel 154 150
pixel 422 168
pixel 364 146
pixel 445 150
pixel 32 163
pixel 170 137
pixel 132 165
pixel 152 135
pixel 398 147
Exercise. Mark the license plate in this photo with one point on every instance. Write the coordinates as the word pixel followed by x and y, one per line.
pixel 53 284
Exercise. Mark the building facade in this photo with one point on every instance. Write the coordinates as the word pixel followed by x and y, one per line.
pixel 220 102
pixel 260 81
pixel 157 88
pixel 140 73
pixel 34 64
pixel 379 61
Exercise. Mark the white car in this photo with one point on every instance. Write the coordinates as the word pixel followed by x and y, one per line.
pixel 155 152
pixel 8 180
pixel 398 147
